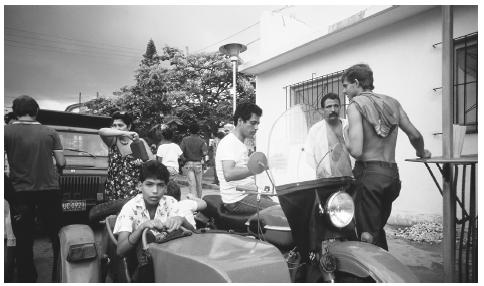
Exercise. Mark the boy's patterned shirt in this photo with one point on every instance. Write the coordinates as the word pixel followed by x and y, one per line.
pixel 134 213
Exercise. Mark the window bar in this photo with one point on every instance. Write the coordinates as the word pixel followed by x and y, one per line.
pixel 317 95
pixel 286 95
pixel 465 80
pixel 312 89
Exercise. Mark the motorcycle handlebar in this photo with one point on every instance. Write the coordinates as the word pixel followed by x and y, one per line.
pixel 144 240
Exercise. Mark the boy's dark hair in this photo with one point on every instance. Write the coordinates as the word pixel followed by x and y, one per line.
pixel 167 134
pixel 173 190
pixel 125 116
pixel 244 111
pixel 9 116
pixel 327 96
pixel 24 105
pixel 194 128
pixel 361 72
pixel 220 135
pixel 153 169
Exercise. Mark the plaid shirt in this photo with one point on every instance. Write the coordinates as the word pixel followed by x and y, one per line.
pixel 134 213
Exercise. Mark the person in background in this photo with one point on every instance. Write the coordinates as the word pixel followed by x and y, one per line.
pixel 9 236
pixel 151 209
pixel 231 161
pixel 190 204
pixel 325 147
pixel 168 152
pixel 194 150
pixel 214 146
pixel 371 137
pixel 123 168
pixel 30 148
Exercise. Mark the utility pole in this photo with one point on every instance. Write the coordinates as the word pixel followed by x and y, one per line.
pixel 79 98
pixel 97 94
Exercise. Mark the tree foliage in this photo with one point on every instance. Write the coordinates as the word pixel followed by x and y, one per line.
pixel 195 88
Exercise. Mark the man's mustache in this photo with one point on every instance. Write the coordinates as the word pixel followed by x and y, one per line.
pixel 333 113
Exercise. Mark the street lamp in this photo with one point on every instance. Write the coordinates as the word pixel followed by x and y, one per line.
pixel 233 50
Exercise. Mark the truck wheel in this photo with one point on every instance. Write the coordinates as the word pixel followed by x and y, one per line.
pixel 101 211
pixel 58 275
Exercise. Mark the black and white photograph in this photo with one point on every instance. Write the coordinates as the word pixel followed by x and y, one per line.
pixel 206 142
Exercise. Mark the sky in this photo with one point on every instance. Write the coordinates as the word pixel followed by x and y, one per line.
pixel 54 53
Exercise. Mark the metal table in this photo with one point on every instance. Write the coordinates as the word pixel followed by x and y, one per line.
pixel 466 252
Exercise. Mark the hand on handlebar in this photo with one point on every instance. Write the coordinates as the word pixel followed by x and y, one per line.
pixel 173 223
pixel 153 224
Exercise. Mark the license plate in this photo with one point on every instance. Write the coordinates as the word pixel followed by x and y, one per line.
pixel 74 206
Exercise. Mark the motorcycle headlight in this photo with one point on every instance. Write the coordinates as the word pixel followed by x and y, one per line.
pixel 340 208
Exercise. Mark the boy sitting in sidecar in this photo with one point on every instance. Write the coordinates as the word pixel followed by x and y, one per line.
pixel 152 210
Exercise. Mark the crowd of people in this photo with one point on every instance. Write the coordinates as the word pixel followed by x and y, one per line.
pixel 364 143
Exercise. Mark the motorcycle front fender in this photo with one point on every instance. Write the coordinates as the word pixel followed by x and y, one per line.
pixel 364 259
pixel 76 271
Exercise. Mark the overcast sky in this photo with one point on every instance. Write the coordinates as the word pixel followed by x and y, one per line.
pixel 53 53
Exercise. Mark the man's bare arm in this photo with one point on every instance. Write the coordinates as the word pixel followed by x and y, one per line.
pixel 233 173
pixel 354 133
pixel 416 139
pixel 60 160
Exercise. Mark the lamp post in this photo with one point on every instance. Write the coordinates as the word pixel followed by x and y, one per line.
pixel 233 50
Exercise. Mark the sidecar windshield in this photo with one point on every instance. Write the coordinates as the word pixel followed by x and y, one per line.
pixel 287 156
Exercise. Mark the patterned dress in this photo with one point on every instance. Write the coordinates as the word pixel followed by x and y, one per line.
pixel 123 175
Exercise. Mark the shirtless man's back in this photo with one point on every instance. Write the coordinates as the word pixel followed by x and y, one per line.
pixel 373 121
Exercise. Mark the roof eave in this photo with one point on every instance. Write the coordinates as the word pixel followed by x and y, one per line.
pixel 368 24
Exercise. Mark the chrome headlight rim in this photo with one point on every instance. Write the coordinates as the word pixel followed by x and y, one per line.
pixel 340 209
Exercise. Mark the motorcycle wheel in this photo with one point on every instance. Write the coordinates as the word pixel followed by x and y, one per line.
pixel 345 277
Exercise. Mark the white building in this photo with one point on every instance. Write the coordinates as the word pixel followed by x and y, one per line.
pixel 402 46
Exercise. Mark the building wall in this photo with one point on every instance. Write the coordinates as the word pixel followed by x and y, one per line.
pixel 405 66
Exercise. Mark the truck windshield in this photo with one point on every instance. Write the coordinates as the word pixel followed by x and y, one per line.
pixel 83 144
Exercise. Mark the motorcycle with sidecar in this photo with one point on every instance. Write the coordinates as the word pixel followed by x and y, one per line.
pixel 309 237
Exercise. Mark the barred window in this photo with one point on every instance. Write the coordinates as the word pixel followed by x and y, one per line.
pixel 465 82
pixel 311 91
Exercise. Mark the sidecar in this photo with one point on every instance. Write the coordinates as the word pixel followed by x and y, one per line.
pixel 88 255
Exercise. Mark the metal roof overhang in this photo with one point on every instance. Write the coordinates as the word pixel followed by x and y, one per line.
pixel 368 24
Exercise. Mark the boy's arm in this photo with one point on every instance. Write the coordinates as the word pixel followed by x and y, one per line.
pixel 128 240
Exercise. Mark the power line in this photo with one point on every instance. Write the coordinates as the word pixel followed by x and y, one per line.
pixel 251 42
pixel 34 46
pixel 70 39
pixel 23 37
pixel 243 30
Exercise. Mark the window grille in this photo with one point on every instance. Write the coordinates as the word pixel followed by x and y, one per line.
pixel 465 82
pixel 311 91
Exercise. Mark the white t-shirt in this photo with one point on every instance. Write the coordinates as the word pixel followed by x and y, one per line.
pixel 188 206
pixel 170 152
pixel 231 148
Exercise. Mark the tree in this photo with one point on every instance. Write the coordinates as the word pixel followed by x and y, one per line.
pixel 195 88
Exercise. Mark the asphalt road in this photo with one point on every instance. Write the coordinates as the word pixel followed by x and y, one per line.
pixel 424 259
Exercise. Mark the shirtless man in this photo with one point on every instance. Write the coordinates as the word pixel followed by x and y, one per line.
pixel 371 138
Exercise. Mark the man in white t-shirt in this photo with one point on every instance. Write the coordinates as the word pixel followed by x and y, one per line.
pixel 169 152
pixel 231 163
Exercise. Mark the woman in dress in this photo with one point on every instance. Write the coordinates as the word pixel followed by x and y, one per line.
pixel 123 167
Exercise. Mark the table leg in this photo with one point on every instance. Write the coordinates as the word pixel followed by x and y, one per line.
pixel 448 243
pixel 473 222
